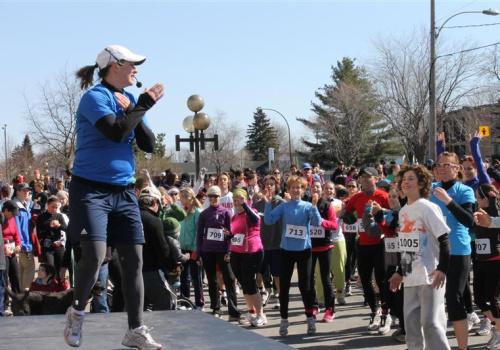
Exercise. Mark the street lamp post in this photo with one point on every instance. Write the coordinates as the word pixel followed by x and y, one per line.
pixel 432 75
pixel 288 126
pixel 6 155
pixel 196 125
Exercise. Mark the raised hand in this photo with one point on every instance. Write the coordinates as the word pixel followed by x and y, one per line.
pixel 123 100
pixel 156 92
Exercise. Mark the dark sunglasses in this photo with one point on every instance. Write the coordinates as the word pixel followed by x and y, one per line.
pixel 352 186
pixel 213 196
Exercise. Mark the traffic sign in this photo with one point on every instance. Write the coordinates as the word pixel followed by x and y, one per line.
pixel 484 131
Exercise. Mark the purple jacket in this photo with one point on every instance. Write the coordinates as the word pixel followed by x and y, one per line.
pixel 206 239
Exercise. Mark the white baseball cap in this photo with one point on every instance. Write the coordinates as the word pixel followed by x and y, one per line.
pixel 116 53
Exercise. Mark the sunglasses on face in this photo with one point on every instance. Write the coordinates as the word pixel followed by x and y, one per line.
pixel 213 196
pixel 352 186
pixel 445 165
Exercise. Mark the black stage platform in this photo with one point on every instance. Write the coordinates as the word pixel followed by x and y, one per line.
pixel 193 330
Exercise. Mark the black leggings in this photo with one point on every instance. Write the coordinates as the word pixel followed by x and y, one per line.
pixel 394 301
pixel 350 263
pixel 370 259
pixel 54 257
pixel 87 270
pixel 325 263
pixel 456 280
pixel 487 286
pixel 245 267
pixel 303 259
pixel 12 268
pixel 210 260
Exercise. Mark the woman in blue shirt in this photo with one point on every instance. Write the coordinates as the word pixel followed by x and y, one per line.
pixel 298 216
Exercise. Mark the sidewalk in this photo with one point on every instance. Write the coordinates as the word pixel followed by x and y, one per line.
pixel 347 331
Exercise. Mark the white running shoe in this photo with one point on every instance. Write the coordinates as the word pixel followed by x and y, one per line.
pixel 494 342
pixel 73 329
pixel 385 324
pixel 265 297
pixel 247 320
pixel 259 321
pixel 484 327
pixel 140 338
pixel 311 325
pixel 472 319
pixel 374 321
pixel 284 327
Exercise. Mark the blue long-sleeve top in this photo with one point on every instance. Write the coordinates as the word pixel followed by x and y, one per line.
pixel 298 213
pixel 213 217
pixel 482 176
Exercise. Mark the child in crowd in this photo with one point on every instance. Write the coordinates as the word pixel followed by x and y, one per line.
pixel 46 281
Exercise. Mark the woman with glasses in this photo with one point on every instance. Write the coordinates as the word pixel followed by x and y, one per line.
pixel 350 234
pixel 457 202
pixel 247 253
pixel 298 216
pixel 213 242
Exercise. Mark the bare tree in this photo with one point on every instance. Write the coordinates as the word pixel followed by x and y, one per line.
pixel 52 115
pixel 231 137
pixel 400 71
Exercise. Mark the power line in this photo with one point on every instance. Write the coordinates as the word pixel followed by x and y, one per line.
pixel 473 25
pixel 468 50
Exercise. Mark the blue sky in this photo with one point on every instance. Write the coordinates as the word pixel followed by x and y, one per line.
pixel 237 55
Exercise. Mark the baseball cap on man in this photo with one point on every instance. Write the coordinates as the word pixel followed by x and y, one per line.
pixel 11 206
pixel 384 183
pixel 23 186
pixel 117 53
pixel 306 166
pixel 150 191
pixel 368 170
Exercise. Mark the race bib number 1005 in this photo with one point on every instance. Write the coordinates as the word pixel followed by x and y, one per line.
pixel 409 242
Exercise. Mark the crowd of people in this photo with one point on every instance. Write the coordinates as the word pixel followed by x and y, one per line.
pixel 412 232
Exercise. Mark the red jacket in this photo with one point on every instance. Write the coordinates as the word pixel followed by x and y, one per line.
pixel 53 287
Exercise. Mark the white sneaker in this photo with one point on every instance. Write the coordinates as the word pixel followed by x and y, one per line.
pixel 484 327
pixel 472 319
pixel 374 321
pixel 247 320
pixel 140 338
pixel 277 305
pixel 283 327
pixel 311 325
pixel 237 289
pixel 494 342
pixel 73 329
pixel 385 324
pixel 260 320
pixel 265 297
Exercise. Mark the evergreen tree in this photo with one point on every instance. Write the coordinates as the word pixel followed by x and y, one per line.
pixel 346 125
pixel 260 136
pixel 22 156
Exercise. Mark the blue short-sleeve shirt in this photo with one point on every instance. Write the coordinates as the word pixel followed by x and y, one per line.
pixel 97 158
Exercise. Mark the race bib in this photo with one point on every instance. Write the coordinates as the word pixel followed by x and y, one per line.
pixel 351 228
pixel 483 246
pixel 294 231
pixel 409 242
pixel 391 245
pixel 238 239
pixel 10 247
pixel 215 234
pixel 317 232
pixel 360 226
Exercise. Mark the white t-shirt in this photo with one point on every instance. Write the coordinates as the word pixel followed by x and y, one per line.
pixel 337 235
pixel 420 225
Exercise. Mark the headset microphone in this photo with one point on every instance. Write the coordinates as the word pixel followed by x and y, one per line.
pixel 138 83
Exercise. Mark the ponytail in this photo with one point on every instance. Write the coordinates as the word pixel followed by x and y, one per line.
pixel 86 76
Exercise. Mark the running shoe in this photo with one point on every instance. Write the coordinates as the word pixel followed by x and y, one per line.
pixel 484 327
pixel 494 342
pixel 140 338
pixel 277 304
pixel 217 313
pixel 247 320
pixel 329 315
pixel 264 297
pixel 374 321
pixel 385 324
pixel 73 329
pixel 284 327
pixel 341 301
pixel 399 335
pixel 472 319
pixel 311 325
pixel 259 321
pixel 200 308
pixel 234 318
pixel 348 291
pixel 237 289
pixel 223 299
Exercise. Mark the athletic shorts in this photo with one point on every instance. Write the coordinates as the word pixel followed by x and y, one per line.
pixel 101 212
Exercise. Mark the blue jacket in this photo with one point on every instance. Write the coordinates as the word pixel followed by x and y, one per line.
pixel 298 213
pixel 23 224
